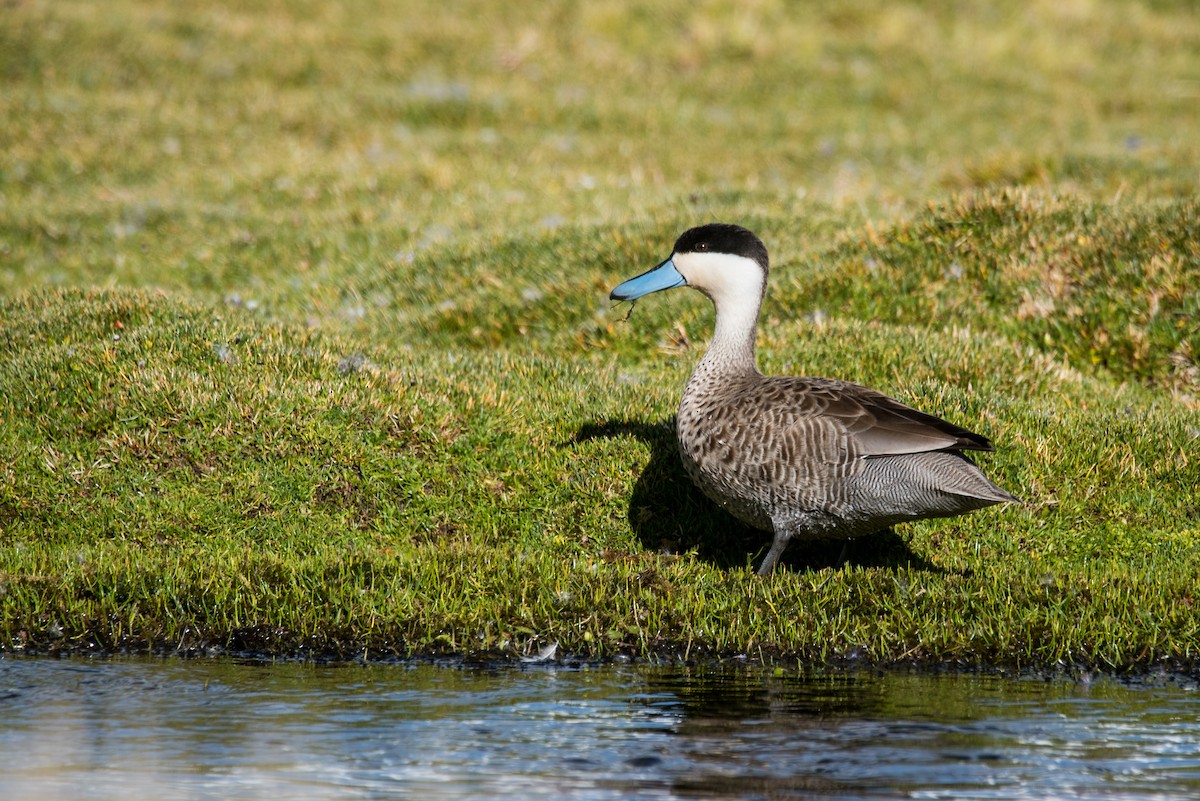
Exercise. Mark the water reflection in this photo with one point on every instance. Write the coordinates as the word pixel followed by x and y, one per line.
pixel 184 730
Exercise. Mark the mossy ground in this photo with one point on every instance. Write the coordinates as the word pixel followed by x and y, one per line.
pixel 307 347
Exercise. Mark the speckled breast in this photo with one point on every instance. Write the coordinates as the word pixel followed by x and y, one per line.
pixel 713 455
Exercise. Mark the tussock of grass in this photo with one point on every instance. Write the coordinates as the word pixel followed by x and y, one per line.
pixel 246 486
pixel 307 347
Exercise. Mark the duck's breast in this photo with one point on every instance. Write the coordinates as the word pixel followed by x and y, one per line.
pixel 759 446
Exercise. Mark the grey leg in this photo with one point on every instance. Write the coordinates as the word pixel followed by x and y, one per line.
pixel 841 560
pixel 782 537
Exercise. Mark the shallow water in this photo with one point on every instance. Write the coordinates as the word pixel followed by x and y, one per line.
pixel 179 729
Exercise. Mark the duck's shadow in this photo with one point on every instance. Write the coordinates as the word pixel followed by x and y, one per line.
pixel 668 513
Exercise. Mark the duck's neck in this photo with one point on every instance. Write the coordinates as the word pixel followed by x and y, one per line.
pixel 731 352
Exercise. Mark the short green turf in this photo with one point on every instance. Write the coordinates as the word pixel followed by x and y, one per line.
pixel 307 348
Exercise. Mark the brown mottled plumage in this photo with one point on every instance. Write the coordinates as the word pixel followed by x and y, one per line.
pixel 804 458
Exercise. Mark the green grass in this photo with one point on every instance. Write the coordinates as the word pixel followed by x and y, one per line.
pixel 306 345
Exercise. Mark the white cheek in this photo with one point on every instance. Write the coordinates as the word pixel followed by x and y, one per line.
pixel 725 278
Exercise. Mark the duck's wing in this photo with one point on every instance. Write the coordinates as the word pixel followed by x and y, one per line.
pixel 876 424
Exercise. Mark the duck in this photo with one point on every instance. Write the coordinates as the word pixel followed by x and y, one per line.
pixel 797 457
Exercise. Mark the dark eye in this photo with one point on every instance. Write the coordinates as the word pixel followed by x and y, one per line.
pixel 701 246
